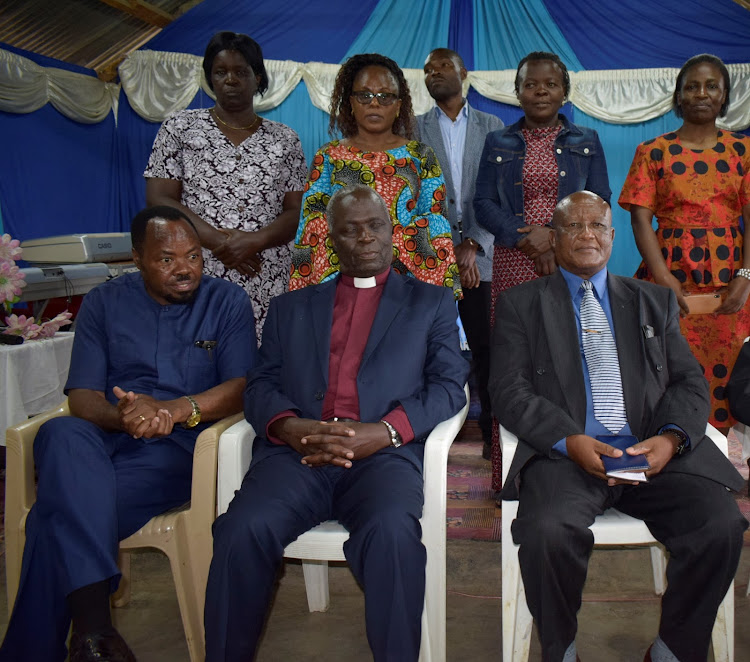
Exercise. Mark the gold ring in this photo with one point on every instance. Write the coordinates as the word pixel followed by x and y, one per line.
pixel 143 418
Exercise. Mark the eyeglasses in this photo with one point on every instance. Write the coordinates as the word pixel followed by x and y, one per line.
pixel 575 229
pixel 384 98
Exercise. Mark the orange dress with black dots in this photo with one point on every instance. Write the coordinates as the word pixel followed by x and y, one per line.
pixel 697 197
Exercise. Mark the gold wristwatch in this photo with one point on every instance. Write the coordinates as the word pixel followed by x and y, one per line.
pixel 195 417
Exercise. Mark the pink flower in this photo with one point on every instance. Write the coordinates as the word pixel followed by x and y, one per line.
pixel 11 281
pixel 9 249
pixel 51 327
pixel 20 325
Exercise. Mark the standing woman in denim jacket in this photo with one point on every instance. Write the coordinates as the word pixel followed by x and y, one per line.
pixel 525 169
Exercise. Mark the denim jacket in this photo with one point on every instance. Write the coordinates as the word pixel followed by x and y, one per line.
pixel 498 201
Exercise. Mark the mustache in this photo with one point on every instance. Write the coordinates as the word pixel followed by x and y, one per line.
pixel 183 277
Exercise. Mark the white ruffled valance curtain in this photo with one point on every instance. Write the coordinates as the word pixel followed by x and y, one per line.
pixel 25 87
pixel 158 83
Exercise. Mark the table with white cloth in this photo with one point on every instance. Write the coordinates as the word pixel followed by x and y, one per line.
pixel 32 377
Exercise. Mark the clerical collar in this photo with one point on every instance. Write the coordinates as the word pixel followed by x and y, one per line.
pixel 365 283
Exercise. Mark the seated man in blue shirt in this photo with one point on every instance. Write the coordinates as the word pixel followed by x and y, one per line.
pixel 557 395
pixel 157 355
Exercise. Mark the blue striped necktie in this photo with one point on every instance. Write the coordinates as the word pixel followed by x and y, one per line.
pixel 600 351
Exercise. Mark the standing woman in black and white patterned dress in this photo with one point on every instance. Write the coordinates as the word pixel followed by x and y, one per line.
pixel 238 177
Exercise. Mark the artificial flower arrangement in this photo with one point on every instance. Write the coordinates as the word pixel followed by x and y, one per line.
pixel 11 285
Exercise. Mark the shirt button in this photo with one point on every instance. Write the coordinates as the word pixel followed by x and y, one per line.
pixel 562 173
pixel 241 208
pixel 319 395
pixel 238 157
pixel 659 367
pixel 242 180
pixel 558 150
pixel 585 150
pixel 498 158
pixel 540 371
pixel 452 201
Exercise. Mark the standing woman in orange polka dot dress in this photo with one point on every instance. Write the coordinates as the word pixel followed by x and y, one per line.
pixel 696 181
pixel 371 107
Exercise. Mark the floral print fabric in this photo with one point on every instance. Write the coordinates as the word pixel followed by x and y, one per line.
pixel 410 181
pixel 234 187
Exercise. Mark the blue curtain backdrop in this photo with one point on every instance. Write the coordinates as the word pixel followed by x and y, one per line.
pixel 60 177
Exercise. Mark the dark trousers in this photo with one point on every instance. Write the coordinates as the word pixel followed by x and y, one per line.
pixel 95 488
pixel 379 500
pixel 695 518
pixel 474 310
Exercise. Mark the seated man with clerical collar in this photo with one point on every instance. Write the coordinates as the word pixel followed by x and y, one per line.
pixel 157 355
pixel 580 358
pixel 352 376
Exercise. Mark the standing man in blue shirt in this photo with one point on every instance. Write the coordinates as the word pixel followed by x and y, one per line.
pixel 157 355
pixel 457 132
pixel 549 387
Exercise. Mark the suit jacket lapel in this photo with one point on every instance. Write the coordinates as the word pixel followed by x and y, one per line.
pixel 560 328
pixel 395 295
pixel 624 304
pixel 320 306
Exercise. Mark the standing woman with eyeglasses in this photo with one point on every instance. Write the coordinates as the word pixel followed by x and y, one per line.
pixel 237 176
pixel 371 108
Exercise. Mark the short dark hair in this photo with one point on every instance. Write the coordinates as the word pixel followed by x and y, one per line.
pixel 245 46
pixel 342 117
pixel 140 222
pixel 355 190
pixel 543 55
pixel 450 53
pixel 693 61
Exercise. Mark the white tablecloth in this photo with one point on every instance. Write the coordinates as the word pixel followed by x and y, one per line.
pixel 32 377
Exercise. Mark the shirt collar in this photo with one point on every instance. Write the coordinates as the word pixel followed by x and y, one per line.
pixel 599 281
pixel 463 113
pixel 365 283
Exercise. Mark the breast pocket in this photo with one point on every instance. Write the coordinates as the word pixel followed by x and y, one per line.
pixel 580 158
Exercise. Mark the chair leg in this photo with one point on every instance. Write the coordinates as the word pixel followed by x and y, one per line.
pixel 722 636
pixel 517 621
pixel 659 568
pixel 316 584
pixel 121 596
pixel 191 608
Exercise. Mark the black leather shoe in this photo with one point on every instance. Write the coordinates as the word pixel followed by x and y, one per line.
pixel 100 647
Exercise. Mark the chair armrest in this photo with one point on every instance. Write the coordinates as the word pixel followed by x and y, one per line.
pixel 235 453
pixel 203 487
pixel 719 439
pixel 19 489
pixel 508 444
pixel 436 449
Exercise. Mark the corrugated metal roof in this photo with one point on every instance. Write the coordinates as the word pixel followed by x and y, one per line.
pixel 96 34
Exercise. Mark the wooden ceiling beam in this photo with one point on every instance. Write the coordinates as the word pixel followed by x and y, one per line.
pixel 142 10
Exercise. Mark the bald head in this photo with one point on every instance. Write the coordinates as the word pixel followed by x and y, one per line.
pixel 583 233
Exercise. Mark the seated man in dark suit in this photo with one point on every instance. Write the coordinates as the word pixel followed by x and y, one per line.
pixel 353 375
pixel 582 354
pixel 143 382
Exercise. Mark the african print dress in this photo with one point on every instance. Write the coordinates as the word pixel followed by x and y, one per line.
pixel 410 181
pixel 234 187
pixel 697 197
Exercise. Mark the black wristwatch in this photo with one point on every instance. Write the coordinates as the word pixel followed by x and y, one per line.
pixel 681 437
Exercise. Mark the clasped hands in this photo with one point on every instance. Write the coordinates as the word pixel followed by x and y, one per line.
pixel 336 443
pixel 536 246
pixel 241 251
pixel 142 416
pixel 586 452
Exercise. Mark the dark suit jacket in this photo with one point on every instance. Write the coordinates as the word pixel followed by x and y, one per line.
pixel 478 126
pixel 412 357
pixel 537 383
pixel 738 388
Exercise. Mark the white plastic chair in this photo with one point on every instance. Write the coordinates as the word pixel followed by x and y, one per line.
pixel 325 542
pixel 612 528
